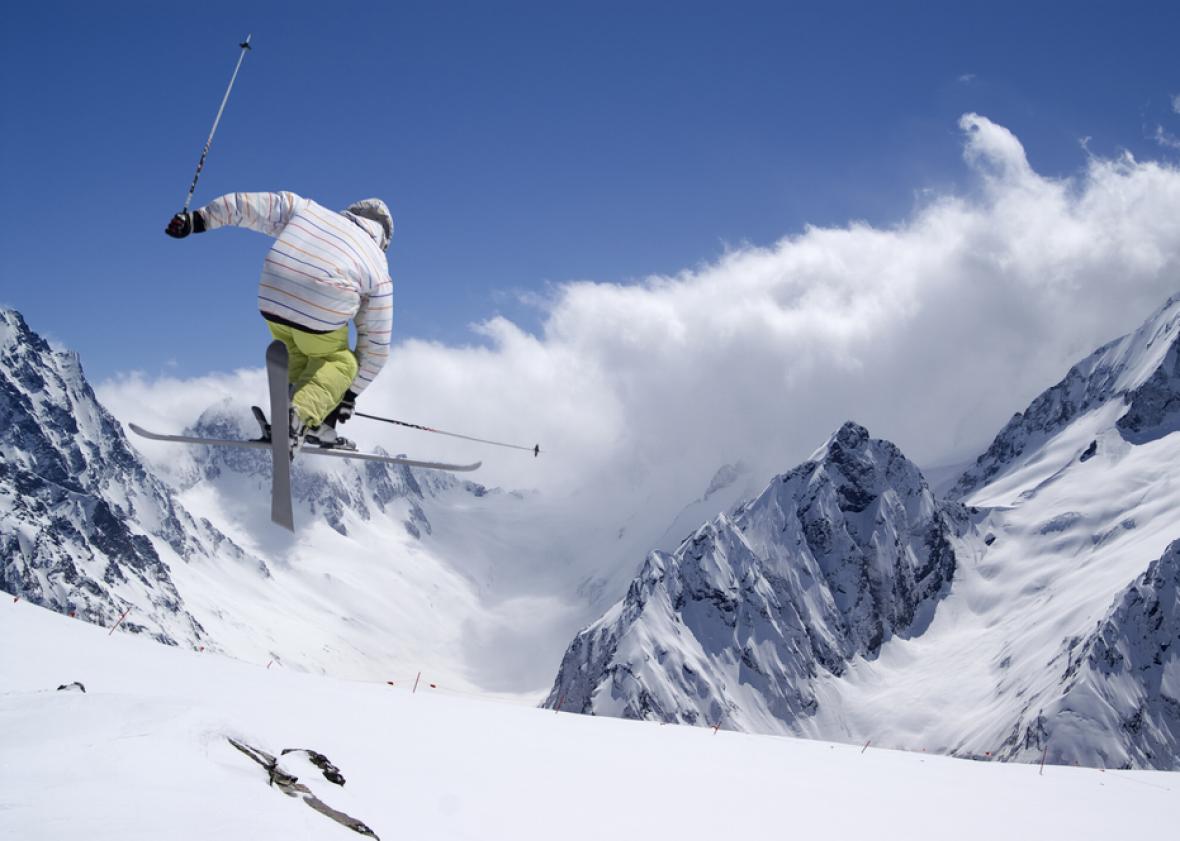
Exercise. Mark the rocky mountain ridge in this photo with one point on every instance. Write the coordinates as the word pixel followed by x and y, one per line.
pixel 829 562
pixel 85 529
pixel 805 611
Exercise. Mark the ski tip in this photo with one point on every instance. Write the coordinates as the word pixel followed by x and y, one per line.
pixel 276 351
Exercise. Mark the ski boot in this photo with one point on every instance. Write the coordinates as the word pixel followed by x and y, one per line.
pixel 326 437
pixel 298 433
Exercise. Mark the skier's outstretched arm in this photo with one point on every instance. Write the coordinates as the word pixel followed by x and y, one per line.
pixel 374 323
pixel 267 213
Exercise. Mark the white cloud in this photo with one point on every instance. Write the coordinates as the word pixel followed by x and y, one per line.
pixel 932 333
pixel 1176 103
pixel 967 78
pixel 993 150
pixel 169 404
pixel 1166 139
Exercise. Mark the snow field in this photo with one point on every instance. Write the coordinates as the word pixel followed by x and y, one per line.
pixel 142 755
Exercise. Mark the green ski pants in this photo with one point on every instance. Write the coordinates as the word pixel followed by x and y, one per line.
pixel 320 367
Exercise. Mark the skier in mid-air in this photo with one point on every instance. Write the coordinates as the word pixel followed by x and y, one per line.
pixel 324 270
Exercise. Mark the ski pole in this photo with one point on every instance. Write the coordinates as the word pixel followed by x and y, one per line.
pixel 535 449
pixel 245 45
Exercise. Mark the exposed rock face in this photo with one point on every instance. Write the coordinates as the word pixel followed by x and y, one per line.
pixel 1118 699
pixel 827 563
pixel 82 524
pixel 1155 406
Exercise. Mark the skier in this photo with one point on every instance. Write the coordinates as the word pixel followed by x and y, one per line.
pixel 324 270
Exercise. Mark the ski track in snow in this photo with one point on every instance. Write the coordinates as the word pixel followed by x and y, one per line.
pixel 143 755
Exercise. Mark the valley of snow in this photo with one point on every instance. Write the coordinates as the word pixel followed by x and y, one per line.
pixel 478 588
pixel 143 754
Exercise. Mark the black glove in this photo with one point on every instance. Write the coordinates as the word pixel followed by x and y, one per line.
pixel 347 406
pixel 185 223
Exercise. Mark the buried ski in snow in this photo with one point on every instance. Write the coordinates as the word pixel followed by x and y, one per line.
pixel 307 449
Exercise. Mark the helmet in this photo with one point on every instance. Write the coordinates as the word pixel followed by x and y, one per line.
pixel 376 211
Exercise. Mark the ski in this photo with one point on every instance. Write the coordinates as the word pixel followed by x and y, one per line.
pixel 280 416
pixel 307 449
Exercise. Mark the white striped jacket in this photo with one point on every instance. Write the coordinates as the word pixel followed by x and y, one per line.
pixel 323 270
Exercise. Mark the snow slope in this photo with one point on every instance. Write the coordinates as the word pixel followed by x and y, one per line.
pixel 142 754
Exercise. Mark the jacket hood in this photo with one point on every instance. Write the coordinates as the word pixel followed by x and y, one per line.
pixel 374 217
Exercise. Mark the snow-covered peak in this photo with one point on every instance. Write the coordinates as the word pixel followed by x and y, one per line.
pixel 850 436
pixel 1132 359
pixel 853 479
pixel 863 466
pixel 828 562
pixel 1141 369
pixel 12 326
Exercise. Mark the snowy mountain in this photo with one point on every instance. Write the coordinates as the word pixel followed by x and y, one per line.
pixel 1019 619
pixel 843 600
pixel 84 528
pixel 1141 370
pixel 829 562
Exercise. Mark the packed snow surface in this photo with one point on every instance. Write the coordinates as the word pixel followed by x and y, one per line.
pixel 143 754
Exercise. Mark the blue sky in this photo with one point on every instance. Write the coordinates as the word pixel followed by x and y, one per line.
pixel 518 145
